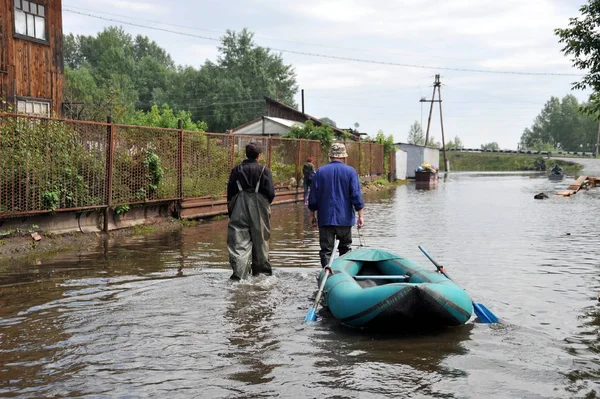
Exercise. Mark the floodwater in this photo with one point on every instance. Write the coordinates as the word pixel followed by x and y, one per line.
pixel 156 316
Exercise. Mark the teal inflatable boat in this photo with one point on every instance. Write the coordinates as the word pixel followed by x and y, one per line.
pixel 372 287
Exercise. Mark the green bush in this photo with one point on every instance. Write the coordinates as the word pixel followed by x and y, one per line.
pixel 47 165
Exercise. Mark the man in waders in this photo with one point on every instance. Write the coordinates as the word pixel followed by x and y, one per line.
pixel 250 192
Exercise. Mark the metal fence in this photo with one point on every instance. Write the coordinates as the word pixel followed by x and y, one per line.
pixel 49 165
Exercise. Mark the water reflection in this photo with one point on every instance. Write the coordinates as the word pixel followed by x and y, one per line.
pixel 250 313
pixel 358 361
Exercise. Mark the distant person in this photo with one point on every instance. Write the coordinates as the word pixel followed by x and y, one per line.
pixel 250 192
pixel 308 170
pixel 335 196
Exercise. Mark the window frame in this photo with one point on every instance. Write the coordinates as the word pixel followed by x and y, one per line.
pixel 25 36
pixel 33 101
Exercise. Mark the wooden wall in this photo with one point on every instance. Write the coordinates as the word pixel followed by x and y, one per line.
pixel 34 70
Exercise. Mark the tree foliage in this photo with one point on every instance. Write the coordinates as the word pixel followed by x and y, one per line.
pixel 310 131
pixel 490 146
pixel 456 144
pixel 116 74
pixel 582 43
pixel 561 125
pixel 329 121
pixel 415 134
pixel 164 117
pixel 387 142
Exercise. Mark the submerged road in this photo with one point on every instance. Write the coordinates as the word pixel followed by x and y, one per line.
pixel 156 316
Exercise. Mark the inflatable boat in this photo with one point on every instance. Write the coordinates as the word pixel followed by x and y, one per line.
pixel 374 288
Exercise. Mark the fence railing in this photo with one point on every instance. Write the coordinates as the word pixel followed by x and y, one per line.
pixel 49 165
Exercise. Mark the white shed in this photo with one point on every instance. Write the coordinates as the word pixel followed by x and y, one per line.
pixel 416 155
pixel 266 126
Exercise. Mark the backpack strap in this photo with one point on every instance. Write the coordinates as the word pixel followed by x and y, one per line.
pixel 259 177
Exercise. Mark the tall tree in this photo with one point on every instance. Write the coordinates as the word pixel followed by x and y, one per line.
pixel 329 121
pixel 415 134
pixel 561 125
pixel 117 74
pixel 229 92
pixel 582 44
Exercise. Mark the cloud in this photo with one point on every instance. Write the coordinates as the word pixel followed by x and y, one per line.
pixel 129 5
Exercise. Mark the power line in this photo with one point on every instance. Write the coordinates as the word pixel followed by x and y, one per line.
pixel 334 57
pixel 260 36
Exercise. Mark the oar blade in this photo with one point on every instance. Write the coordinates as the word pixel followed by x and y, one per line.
pixel 484 314
pixel 311 315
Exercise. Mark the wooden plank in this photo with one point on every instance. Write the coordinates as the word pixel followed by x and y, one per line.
pixel 577 185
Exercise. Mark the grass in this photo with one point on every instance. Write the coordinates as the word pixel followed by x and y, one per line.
pixel 144 229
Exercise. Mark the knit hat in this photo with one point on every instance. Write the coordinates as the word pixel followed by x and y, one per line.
pixel 338 150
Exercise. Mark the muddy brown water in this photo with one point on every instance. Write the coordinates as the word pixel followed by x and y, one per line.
pixel 156 316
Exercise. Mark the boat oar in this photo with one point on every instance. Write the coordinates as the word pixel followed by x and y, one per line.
pixel 484 314
pixel 312 313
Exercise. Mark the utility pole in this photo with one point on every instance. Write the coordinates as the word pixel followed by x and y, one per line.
pixel 437 87
pixel 303 101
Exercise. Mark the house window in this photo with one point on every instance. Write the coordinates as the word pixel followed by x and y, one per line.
pixel 30 19
pixel 37 108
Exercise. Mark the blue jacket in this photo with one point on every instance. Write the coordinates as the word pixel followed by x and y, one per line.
pixel 335 194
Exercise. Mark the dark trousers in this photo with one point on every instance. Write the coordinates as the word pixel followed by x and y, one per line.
pixel 327 236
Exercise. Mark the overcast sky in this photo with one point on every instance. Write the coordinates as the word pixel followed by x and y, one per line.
pixel 489 35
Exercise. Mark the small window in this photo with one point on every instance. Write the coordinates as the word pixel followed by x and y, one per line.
pixel 37 108
pixel 30 19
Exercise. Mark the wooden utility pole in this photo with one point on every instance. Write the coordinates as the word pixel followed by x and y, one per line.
pixel 437 87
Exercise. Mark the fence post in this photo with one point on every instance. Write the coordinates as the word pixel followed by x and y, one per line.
pixel 269 151
pixel 231 150
pixel 110 143
pixel 359 158
pixel 180 161
pixel 298 160
pixel 371 160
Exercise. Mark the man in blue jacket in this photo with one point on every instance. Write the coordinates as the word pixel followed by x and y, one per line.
pixel 335 196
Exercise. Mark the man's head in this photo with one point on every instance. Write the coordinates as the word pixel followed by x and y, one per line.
pixel 338 151
pixel 309 159
pixel 253 151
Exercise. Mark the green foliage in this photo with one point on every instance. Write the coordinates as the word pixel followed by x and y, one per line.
pixel 415 134
pixel 116 74
pixel 164 117
pixel 283 173
pixel 44 166
pixel 561 125
pixel 122 209
pixel 155 172
pixel 387 142
pixel 309 131
pixel 456 144
pixel 463 161
pixel 433 143
pixel 490 146
pixel 580 42
pixel 380 182
pixel 230 92
pixel 329 121
pixel 50 200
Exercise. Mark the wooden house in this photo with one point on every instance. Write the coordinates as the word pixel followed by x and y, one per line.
pixel 31 56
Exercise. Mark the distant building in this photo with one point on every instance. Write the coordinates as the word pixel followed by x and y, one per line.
pixel 31 56
pixel 267 126
pixel 278 120
pixel 416 155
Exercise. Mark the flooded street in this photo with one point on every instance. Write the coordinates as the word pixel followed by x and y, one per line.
pixel 156 316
